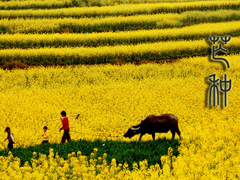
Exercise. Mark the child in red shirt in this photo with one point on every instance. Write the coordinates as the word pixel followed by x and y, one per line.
pixel 65 127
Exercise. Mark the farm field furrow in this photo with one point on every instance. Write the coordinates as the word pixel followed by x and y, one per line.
pixel 109 54
pixel 118 23
pixel 46 4
pixel 193 32
pixel 121 10
pixel 30 4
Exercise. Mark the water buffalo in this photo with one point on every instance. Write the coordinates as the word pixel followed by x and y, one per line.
pixel 155 123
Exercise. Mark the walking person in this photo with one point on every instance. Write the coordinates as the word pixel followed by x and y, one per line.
pixel 10 138
pixel 45 135
pixel 65 127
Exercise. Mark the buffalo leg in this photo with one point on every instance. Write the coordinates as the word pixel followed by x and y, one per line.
pixel 173 134
pixel 140 137
pixel 153 136
pixel 179 133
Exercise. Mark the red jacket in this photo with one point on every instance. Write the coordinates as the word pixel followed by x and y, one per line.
pixel 65 123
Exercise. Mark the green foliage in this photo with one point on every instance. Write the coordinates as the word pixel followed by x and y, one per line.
pixel 129 152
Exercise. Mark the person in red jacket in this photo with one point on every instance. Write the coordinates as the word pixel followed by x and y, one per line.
pixel 65 127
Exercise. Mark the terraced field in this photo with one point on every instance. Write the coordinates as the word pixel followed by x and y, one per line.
pixel 86 40
pixel 70 35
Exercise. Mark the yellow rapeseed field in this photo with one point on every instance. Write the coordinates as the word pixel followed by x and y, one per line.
pixel 78 167
pixel 53 25
pixel 200 30
pixel 168 49
pixel 28 4
pixel 127 9
pixel 22 4
pixel 110 99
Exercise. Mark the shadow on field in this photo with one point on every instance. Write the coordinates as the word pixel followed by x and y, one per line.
pixel 129 152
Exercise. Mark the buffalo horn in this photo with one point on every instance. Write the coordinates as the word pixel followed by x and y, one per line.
pixel 134 129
